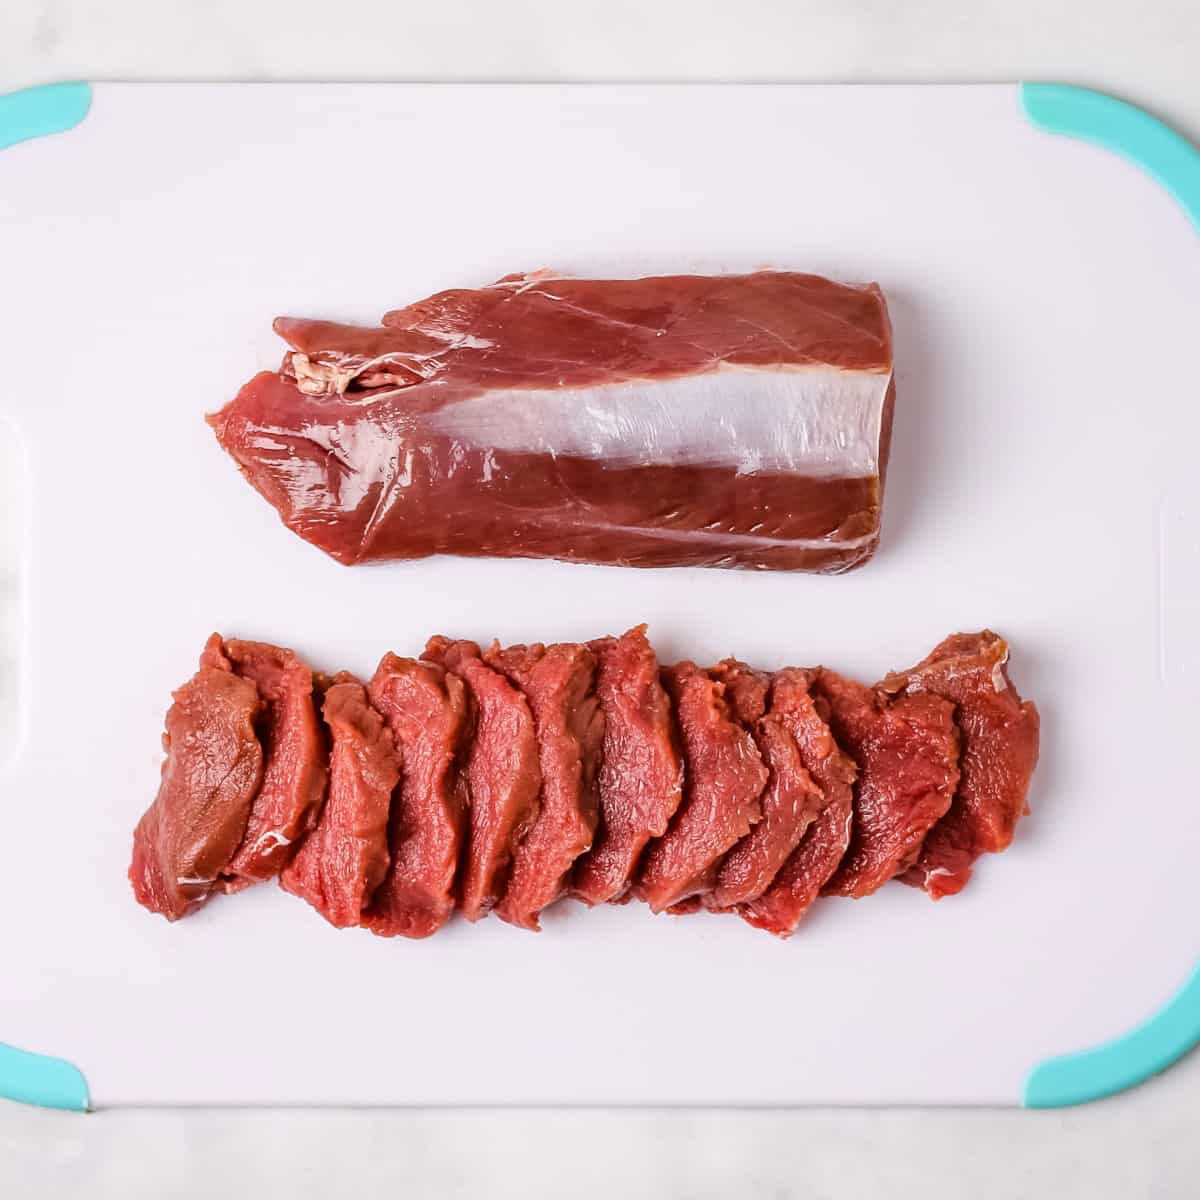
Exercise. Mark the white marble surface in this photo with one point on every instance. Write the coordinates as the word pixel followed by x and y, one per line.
pixel 1140 1145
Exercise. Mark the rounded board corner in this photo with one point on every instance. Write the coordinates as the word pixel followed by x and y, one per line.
pixel 1122 1063
pixel 43 110
pixel 42 1080
pixel 1124 128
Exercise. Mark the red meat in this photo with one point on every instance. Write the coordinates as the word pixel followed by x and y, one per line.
pixel 722 794
pixel 558 683
pixel 1000 734
pixel 738 420
pixel 345 858
pixel 294 775
pixel 211 775
pixel 429 714
pixel 907 757
pixel 780 908
pixel 641 774
pixel 775 711
pixel 502 773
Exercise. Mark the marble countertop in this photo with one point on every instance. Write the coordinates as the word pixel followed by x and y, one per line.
pixel 1141 1144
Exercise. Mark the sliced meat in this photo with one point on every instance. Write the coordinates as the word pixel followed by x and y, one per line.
pixel 344 859
pixel 640 781
pixel 503 776
pixel 782 906
pixel 212 772
pixel 1000 734
pixel 733 421
pixel 430 716
pixel 294 776
pixel 778 713
pixel 907 757
pixel 724 781
pixel 558 683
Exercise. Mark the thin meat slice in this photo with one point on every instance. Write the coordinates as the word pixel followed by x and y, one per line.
pixel 774 710
pixel 294 775
pixel 212 772
pixel 640 782
pixel 781 907
pixel 558 683
pixel 728 420
pixel 344 859
pixel 1000 734
pixel 724 781
pixel 907 756
pixel 429 713
pixel 503 776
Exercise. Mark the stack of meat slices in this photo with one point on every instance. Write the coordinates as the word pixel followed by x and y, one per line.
pixel 508 778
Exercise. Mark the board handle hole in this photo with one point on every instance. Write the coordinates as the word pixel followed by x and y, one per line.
pixel 14 549
pixel 1178 576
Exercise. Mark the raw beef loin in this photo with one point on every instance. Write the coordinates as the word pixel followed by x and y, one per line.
pixel 737 421
pixel 507 779
pixel 343 861
pixel 210 777
pixel 1000 735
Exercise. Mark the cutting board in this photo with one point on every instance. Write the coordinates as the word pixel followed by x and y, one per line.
pixel 1045 296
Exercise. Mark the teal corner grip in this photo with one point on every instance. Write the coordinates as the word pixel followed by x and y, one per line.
pixel 1122 128
pixel 1122 1063
pixel 38 1079
pixel 40 111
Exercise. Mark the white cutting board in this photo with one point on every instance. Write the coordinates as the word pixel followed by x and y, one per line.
pixel 1045 297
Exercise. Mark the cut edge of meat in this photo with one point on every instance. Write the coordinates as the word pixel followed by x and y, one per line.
pixel 502 772
pixel 295 754
pixel 770 707
pixel 791 894
pixel 345 858
pixel 1001 736
pixel 907 752
pixel 430 714
pixel 185 839
pixel 724 777
pixel 640 778
pixel 558 682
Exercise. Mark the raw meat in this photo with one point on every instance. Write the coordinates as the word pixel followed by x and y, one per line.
pixel 771 710
pixel 502 772
pixel 907 756
pixel 210 777
pixel 722 792
pixel 294 776
pixel 429 714
pixel 507 779
pixel 557 681
pixel 780 908
pixel 738 420
pixel 1000 734
pixel 641 773
pixel 345 858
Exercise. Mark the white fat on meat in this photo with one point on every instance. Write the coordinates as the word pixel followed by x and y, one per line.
pixel 272 839
pixel 816 420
